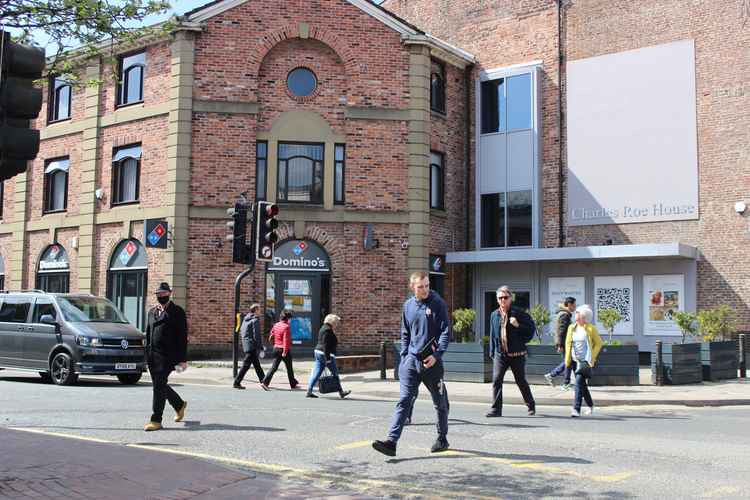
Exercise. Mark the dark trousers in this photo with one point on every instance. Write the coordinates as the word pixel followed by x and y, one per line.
pixel 411 373
pixel 500 365
pixel 582 392
pixel 251 358
pixel 162 393
pixel 277 359
pixel 560 369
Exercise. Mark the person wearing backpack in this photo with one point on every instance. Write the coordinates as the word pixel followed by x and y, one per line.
pixel 252 343
pixel 564 318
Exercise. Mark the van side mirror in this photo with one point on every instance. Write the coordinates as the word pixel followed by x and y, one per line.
pixel 48 319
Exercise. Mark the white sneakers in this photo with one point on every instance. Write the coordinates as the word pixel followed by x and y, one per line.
pixel 575 413
pixel 586 412
pixel 548 378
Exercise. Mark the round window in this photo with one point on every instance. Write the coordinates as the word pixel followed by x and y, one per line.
pixel 301 82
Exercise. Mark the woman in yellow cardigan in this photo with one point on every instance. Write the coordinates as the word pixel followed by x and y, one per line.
pixel 582 345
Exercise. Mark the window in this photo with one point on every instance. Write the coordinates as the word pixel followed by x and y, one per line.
pixel 507 161
pixel 261 169
pixel 339 166
pixel 300 173
pixel 42 307
pixel 60 94
pixel 437 181
pixel 301 82
pixel 2 197
pixel 437 86
pixel 15 310
pixel 126 173
pixel 130 86
pixel 56 185
pixel 53 272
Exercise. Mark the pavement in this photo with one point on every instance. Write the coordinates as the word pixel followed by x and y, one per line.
pixel 369 384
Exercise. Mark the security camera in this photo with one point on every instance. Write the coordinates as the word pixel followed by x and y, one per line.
pixel 740 207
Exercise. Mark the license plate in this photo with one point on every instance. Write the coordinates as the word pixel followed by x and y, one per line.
pixel 124 366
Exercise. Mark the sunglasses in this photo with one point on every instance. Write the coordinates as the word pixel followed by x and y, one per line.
pixel 503 297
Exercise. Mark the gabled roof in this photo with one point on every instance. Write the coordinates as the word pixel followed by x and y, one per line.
pixel 409 32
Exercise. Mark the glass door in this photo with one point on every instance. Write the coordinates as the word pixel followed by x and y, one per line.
pixel 301 294
pixel 127 289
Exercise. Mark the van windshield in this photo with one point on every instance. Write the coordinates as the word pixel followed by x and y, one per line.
pixel 89 309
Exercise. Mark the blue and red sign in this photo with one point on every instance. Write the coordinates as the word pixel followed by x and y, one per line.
pixel 300 248
pixel 156 233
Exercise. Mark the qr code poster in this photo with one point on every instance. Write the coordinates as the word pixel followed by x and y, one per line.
pixel 663 296
pixel 615 292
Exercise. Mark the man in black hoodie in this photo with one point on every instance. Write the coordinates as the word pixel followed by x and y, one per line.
pixel 564 316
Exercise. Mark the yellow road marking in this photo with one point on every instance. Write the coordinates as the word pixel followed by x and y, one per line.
pixel 60 434
pixel 724 490
pixel 355 444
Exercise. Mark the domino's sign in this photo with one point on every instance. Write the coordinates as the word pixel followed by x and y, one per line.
pixel 299 255
pixel 155 233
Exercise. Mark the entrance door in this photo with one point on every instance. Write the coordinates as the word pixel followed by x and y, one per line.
pixel 301 294
pixel 127 289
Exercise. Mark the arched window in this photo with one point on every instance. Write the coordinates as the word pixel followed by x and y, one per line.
pixel 130 88
pixel 300 173
pixel 53 272
pixel 56 185
pixel 127 279
pixel 59 99
pixel 126 173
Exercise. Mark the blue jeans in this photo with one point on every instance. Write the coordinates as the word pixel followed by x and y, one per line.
pixel 320 364
pixel 560 369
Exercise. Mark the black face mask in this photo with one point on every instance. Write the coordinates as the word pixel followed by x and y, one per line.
pixel 162 300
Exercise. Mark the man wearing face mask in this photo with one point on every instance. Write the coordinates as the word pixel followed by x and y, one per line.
pixel 166 340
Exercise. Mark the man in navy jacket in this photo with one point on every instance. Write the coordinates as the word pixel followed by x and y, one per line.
pixel 425 334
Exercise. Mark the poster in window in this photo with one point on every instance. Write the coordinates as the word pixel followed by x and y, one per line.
pixel 664 295
pixel 614 292
pixel 561 288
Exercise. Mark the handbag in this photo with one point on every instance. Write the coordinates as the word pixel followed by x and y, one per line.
pixel 329 383
pixel 583 369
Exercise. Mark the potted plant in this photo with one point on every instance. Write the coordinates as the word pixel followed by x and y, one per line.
pixel 617 364
pixel 687 323
pixel 681 363
pixel 542 358
pixel 466 360
pixel 718 351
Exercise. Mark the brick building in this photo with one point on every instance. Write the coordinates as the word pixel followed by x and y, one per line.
pixel 482 138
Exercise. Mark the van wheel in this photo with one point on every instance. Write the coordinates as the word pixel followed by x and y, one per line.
pixel 129 378
pixel 46 377
pixel 61 369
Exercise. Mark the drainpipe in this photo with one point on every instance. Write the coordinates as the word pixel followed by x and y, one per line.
pixel 467 163
pixel 561 207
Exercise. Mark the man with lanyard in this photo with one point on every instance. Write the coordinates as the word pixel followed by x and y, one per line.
pixel 166 341
pixel 425 334
pixel 510 330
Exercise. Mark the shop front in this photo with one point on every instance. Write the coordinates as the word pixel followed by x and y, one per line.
pixel 299 278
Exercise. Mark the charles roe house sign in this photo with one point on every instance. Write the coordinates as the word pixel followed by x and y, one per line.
pixel 300 255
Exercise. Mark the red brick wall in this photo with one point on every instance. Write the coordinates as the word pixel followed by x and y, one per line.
pixel 36 242
pixel 70 146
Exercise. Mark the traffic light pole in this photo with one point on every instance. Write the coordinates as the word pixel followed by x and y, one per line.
pixel 236 336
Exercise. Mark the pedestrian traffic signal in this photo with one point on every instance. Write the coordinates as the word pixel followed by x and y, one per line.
pixel 265 233
pixel 238 236
pixel 20 102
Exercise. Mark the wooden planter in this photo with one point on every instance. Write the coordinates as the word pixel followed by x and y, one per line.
pixel 617 365
pixel 719 360
pixel 682 364
pixel 467 362
pixel 541 359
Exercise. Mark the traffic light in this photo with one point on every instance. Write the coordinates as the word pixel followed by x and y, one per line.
pixel 238 237
pixel 20 102
pixel 265 232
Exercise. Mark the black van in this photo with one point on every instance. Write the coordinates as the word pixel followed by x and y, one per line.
pixel 64 335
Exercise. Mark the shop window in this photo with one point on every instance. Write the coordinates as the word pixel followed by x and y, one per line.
pixel 127 280
pixel 437 86
pixel 301 82
pixel 126 172
pixel 53 272
pixel 300 173
pixel 437 180
pixel 493 220
pixel 339 166
pixel 60 97
pixel 56 185
pixel 130 85
pixel 261 169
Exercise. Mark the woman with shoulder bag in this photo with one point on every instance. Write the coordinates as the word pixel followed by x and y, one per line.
pixel 325 354
pixel 582 345
pixel 281 337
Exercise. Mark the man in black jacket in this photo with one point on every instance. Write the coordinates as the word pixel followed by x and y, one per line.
pixel 564 317
pixel 510 330
pixel 166 340
pixel 252 343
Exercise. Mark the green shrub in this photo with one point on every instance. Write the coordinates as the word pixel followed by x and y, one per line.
pixel 687 323
pixel 609 319
pixel 463 324
pixel 716 324
pixel 613 343
pixel 541 318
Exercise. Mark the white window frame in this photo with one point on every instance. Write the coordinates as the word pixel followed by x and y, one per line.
pixel 534 69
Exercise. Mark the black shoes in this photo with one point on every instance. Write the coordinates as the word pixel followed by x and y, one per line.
pixel 311 395
pixel 238 386
pixel 494 413
pixel 386 447
pixel 344 394
pixel 441 444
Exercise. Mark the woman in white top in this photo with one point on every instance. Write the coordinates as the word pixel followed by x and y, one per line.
pixel 582 345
